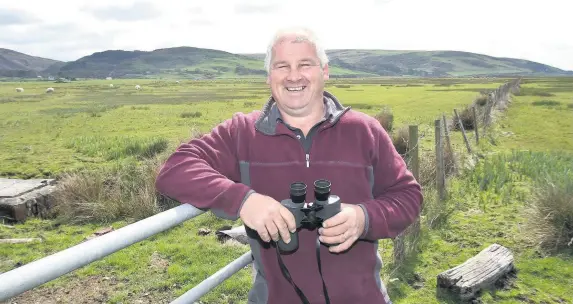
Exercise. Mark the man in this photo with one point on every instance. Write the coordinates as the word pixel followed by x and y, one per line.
pixel 244 167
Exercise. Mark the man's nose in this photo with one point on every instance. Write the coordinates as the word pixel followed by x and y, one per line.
pixel 294 74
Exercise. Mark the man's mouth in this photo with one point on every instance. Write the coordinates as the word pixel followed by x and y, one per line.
pixel 295 89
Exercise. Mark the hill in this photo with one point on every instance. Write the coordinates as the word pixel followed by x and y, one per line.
pixel 16 64
pixel 201 63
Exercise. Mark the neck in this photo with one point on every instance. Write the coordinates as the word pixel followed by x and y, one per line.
pixel 305 121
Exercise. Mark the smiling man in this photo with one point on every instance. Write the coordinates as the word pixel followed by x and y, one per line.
pixel 244 167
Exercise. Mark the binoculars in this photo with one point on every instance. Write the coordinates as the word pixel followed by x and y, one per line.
pixel 313 214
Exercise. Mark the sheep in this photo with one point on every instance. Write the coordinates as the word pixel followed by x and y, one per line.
pixel 177 81
pixel 19 90
pixel 137 87
pixel 111 85
pixel 50 90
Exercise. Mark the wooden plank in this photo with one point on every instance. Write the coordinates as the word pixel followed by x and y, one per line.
pixel 478 272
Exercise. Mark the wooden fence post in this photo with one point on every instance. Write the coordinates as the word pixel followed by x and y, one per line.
pixel 475 124
pixel 412 160
pixel 440 176
pixel 447 133
pixel 463 131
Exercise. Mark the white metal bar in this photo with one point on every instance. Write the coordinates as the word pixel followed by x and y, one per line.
pixel 36 273
pixel 213 281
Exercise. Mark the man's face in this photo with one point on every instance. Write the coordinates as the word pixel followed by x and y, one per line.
pixel 296 78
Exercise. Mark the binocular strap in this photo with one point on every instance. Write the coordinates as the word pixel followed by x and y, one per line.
pixel 286 274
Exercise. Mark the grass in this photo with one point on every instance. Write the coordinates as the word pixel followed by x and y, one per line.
pixel 48 135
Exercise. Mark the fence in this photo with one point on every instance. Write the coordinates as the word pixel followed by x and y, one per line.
pixel 26 277
pixel 482 111
pixel 36 273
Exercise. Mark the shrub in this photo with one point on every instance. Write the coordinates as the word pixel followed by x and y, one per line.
pixel 467 118
pixel 386 119
pixel 400 140
pixel 481 100
pixel 190 114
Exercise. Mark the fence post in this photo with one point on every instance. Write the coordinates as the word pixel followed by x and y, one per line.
pixel 413 151
pixel 447 133
pixel 440 181
pixel 412 160
pixel 475 124
pixel 463 131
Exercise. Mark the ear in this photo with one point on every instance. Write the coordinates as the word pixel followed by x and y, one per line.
pixel 325 72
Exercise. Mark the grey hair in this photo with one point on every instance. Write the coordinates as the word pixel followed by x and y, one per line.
pixel 301 34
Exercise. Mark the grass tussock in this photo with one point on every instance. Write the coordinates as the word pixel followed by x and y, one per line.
pixel 386 119
pixel 400 140
pixel 547 103
pixel 190 114
pixel 126 191
pixel 467 118
pixel 118 147
pixel 481 100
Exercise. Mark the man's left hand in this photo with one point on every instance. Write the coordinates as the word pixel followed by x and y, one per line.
pixel 344 228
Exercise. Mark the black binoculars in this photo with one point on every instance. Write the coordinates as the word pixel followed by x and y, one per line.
pixel 313 214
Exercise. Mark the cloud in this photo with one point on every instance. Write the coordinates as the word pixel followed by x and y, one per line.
pixel 256 8
pixel 67 30
pixel 15 17
pixel 136 12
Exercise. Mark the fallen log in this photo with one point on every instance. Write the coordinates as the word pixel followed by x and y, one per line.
pixel 19 241
pixel 238 234
pixel 478 272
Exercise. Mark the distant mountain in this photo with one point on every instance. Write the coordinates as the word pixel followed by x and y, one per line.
pixel 201 63
pixel 15 64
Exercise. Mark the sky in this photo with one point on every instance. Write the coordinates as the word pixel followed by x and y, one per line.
pixel 68 30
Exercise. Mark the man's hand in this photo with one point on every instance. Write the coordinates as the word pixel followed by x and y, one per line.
pixel 344 228
pixel 268 217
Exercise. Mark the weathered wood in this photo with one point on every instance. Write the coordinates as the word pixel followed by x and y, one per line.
pixel 19 241
pixel 463 131
pixel 449 142
pixel 475 124
pixel 440 176
pixel 239 234
pixel 478 272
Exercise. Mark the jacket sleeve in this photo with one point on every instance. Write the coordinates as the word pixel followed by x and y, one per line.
pixel 205 173
pixel 397 196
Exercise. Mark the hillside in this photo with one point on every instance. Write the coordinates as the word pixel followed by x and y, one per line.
pixel 16 64
pixel 200 63
pixel 437 64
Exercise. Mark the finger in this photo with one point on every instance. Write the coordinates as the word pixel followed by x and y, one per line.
pixel 344 246
pixel 272 229
pixel 338 219
pixel 337 239
pixel 282 228
pixel 288 218
pixel 334 231
pixel 263 233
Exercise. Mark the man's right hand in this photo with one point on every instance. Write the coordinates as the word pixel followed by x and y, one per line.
pixel 268 217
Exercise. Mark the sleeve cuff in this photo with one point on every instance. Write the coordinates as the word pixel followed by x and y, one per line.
pixel 366 221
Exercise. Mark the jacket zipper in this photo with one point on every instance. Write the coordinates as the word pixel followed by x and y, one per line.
pixel 307 160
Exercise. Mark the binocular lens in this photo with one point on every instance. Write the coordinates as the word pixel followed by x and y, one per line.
pixel 298 192
pixel 322 189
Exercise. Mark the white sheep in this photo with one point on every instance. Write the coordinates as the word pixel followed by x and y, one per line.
pixel 50 90
pixel 111 85
pixel 137 87
pixel 177 81
pixel 19 90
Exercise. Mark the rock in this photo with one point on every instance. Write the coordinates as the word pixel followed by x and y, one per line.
pixel 203 231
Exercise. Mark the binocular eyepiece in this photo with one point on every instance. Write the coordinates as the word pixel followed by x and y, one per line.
pixel 321 191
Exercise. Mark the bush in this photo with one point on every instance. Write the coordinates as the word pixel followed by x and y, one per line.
pixel 400 140
pixel 481 100
pixel 386 119
pixel 467 118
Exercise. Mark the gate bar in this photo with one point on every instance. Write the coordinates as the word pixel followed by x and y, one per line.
pixel 213 281
pixel 31 275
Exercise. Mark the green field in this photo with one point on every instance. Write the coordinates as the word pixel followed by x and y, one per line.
pixel 86 125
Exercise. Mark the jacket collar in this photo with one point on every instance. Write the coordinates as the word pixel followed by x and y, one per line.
pixel 268 120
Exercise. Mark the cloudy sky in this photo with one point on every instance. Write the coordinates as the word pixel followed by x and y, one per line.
pixel 67 30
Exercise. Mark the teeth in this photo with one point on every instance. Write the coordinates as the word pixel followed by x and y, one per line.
pixel 295 89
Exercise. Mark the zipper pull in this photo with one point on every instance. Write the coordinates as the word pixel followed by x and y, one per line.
pixel 307 160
